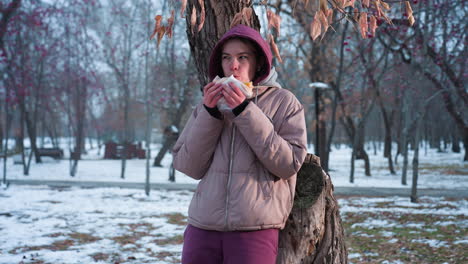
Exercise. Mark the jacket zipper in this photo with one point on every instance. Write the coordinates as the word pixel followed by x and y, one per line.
pixel 231 154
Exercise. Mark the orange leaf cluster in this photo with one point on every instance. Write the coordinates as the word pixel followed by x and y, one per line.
pixel 274 21
pixel 274 48
pixel 373 25
pixel 193 18
pixel 182 8
pixel 365 3
pixel 202 14
pixel 367 20
pixel 161 30
pixel 243 17
pixel 322 19
pixel 170 24
pixel 363 27
pixel 409 12
pixel 340 4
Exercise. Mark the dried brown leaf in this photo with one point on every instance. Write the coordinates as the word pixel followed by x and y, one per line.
pixel 243 16
pixel 409 12
pixel 373 25
pixel 365 3
pixel 247 15
pixel 380 13
pixel 237 19
pixel 161 32
pixel 323 5
pixel 274 21
pixel 182 8
pixel 356 14
pixel 170 24
pixel 270 15
pixel 411 20
pixel 315 27
pixel 157 25
pixel 385 5
pixel 363 26
pixel 202 15
pixel 323 21
pixel 349 3
pixel 193 18
pixel 274 48
pixel 330 16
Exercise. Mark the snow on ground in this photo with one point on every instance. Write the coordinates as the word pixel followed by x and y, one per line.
pixel 72 225
pixel 437 170
pixel 109 225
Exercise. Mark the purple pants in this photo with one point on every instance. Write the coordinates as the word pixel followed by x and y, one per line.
pixel 214 247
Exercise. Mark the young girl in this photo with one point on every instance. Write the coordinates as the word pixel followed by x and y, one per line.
pixel 246 156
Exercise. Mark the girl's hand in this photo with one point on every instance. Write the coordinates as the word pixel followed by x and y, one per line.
pixel 233 95
pixel 212 92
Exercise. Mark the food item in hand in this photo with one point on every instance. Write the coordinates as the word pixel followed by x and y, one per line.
pixel 246 88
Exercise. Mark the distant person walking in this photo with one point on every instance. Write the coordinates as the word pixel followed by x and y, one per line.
pixel 245 141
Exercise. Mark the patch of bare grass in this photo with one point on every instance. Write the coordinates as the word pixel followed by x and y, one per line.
pixel 176 219
pixel 83 238
pixel 409 238
pixel 100 256
pixel 174 240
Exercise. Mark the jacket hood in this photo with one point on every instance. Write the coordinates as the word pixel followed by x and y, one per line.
pixel 269 81
pixel 241 31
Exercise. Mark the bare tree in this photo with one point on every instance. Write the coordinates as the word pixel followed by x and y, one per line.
pixel 435 47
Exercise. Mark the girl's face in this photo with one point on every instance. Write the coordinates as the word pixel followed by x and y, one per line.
pixel 239 59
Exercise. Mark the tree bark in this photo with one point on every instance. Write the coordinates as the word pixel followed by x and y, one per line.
pixel 80 112
pixel 313 232
pixel 1 132
pixel 7 13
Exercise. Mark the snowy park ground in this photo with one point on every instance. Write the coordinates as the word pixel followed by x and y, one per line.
pixel 40 224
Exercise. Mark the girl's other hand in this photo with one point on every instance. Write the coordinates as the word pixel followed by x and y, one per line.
pixel 233 95
pixel 212 92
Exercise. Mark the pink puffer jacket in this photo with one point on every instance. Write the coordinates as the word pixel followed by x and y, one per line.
pixel 247 163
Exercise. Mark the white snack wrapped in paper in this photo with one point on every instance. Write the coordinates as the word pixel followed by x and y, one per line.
pixel 222 105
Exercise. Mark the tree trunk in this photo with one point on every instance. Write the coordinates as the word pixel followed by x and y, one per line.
pixel 361 153
pixel 7 14
pixel 405 162
pixel 465 142
pixel 8 118
pixel 414 186
pixel 323 144
pixel 313 232
pixel 125 140
pixel 1 133
pixel 31 127
pixel 167 145
pixel 353 159
pixel 80 111
pixel 455 142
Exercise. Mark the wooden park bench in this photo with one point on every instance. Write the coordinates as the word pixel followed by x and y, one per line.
pixel 56 153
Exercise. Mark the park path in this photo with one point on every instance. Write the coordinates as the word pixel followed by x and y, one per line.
pixel 346 191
